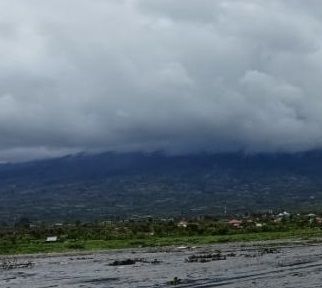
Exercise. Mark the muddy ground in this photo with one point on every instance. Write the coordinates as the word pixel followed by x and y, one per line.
pixel 226 265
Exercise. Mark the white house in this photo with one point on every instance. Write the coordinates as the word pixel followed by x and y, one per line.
pixel 52 239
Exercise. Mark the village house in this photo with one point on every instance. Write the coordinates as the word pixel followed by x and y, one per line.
pixel 235 223
pixel 182 224
pixel 52 239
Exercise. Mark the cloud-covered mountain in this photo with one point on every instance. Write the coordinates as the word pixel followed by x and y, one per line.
pixel 111 185
pixel 180 76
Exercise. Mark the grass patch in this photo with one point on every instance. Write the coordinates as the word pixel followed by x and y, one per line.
pixel 30 247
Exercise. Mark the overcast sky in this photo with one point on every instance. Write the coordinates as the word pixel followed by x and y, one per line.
pixel 176 75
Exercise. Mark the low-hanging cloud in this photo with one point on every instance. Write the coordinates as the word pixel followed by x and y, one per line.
pixel 180 76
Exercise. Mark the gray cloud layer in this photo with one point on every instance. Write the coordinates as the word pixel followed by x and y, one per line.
pixel 181 76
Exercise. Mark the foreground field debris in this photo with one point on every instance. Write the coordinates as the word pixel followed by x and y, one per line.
pixel 13 263
pixel 288 264
pixel 269 250
pixel 260 251
pixel 133 261
pixel 175 281
pixel 203 258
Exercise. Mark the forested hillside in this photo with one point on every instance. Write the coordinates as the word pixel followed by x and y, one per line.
pixel 107 185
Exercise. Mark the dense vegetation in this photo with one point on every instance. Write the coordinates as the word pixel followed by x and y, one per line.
pixel 89 187
pixel 30 238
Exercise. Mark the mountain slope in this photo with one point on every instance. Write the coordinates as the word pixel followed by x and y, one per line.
pixel 106 185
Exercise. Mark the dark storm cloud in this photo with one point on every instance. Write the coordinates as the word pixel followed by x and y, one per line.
pixel 180 76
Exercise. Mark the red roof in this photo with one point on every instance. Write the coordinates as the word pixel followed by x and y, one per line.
pixel 235 222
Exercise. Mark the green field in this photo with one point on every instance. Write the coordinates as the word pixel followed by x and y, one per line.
pixel 37 246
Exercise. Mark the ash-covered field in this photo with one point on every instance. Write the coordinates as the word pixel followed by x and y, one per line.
pixel 226 265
